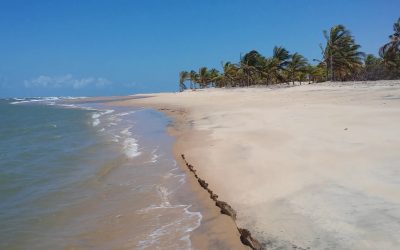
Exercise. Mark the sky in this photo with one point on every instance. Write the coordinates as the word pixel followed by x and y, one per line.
pixel 115 47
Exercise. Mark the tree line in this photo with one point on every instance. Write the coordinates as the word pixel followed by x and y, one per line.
pixel 341 60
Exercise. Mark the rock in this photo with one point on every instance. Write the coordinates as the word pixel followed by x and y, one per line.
pixel 191 168
pixel 226 209
pixel 214 197
pixel 245 235
pixel 248 240
pixel 203 183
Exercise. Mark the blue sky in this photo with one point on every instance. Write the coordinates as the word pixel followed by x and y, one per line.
pixel 85 48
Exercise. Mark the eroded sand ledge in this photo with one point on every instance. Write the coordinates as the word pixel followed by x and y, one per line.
pixel 313 166
pixel 245 235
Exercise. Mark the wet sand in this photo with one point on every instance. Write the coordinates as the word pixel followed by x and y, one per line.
pixel 312 166
pixel 216 231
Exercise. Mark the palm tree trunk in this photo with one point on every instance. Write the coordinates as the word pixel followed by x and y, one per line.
pixel 292 78
pixel 332 75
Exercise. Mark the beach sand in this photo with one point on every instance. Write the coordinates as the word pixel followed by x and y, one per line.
pixel 311 166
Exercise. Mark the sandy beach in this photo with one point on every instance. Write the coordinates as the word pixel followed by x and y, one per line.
pixel 311 166
pixel 200 125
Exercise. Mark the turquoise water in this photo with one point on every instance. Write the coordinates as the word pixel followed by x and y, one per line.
pixel 98 177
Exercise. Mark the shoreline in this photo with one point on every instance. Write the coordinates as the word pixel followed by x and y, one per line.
pixel 216 229
pixel 303 166
pixel 216 226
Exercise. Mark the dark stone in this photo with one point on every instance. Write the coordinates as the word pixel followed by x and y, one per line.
pixel 191 168
pixel 226 209
pixel 245 235
pixel 214 197
pixel 203 183
pixel 248 240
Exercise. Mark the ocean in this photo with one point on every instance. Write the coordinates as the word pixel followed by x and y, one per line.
pixel 89 176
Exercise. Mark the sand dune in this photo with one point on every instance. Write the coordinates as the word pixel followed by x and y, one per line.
pixel 312 166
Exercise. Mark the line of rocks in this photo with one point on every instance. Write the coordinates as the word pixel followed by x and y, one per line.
pixel 245 235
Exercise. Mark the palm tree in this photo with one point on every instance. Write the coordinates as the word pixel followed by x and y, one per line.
pixel 297 64
pixel 269 69
pixel 229 75
pixel 203 77
pixel 374 68
pixel 214 76
pixel 390 52
pixel 341 53
pixel 193 77
pixel 282 56
pixel 249 65
pixel 183 76
pixel 252 58
pixel 316 73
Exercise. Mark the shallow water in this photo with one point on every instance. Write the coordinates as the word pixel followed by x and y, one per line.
pixel 89 176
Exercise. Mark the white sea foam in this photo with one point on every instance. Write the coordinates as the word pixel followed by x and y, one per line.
pixel 185 222
pixel 114 119
pixel 126 131
pixel 130 145
pixel 51 100
pixel 154 156
pixel 96 120
pixel 69 106
pixel 19 101
pixel 73 97
pixel 96 116
pixel 115 138
pixel 126 113
pixel 181 177
pixel 108 111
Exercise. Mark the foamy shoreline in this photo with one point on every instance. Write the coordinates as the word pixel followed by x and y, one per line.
pixel 310 166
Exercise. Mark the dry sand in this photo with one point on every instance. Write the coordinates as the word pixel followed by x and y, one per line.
pixel 309 166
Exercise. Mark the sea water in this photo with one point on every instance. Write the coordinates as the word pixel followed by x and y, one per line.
pixel 89 176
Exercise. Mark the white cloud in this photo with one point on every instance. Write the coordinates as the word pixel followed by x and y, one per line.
pixel 67 81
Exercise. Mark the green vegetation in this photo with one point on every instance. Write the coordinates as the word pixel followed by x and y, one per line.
pixel 341 60
pixel 390 52
pixel 341 54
